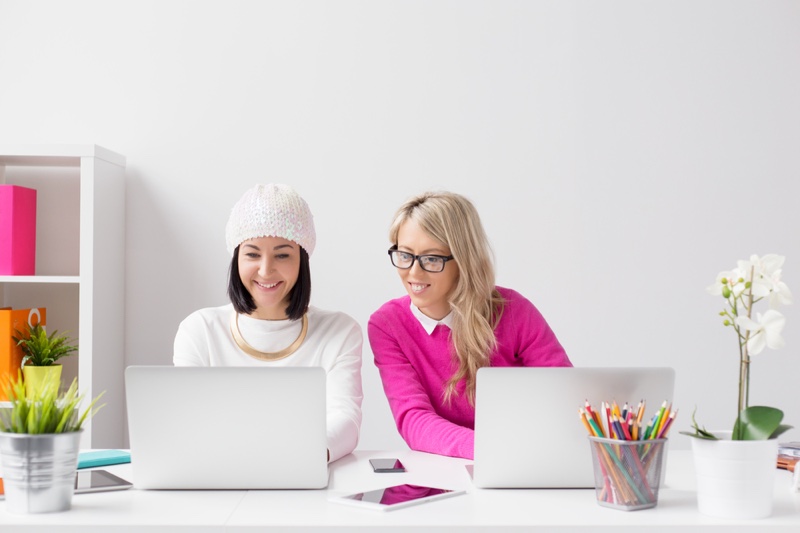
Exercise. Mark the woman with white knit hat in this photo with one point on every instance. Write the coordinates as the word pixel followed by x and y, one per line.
pixel 270 235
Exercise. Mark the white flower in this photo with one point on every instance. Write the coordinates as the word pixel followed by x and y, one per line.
pixel 731 278
pixel 766 275
pixel 754 273
pixel 764 332
pixel 779 293
pixel 768 265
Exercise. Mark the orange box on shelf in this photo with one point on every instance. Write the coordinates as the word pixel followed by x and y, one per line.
pixel 12 320
pixel 17 231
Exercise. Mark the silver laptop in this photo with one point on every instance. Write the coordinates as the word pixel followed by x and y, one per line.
pixel 227 427
pixel 527 430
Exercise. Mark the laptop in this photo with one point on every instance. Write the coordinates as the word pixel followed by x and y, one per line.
pixel 227 427
pixel 527 430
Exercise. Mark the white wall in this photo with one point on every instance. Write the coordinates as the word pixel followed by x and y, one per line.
pixel 620 153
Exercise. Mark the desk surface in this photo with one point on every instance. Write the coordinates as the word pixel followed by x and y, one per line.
pixel 478 510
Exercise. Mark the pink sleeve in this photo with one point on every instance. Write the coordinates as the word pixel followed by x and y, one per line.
pixel 538 345
pixel 416 419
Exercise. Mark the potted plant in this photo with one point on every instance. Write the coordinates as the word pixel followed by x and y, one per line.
pixel 39 445
pixel 745 490
pixel 41 354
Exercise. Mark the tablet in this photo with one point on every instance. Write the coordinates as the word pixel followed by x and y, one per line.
pixel 395 497
pixel 99 481
pixel 91 481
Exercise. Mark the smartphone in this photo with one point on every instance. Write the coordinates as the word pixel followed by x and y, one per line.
pixel 387 465
pixel 92 481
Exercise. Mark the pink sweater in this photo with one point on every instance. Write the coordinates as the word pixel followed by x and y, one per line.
pixel 414 367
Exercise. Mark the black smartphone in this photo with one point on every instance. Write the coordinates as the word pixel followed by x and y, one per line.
pixel 387 465
pixel 92 481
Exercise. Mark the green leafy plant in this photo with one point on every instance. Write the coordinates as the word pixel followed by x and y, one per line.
pixel 47 411
pixel 750 282
pixel 39 349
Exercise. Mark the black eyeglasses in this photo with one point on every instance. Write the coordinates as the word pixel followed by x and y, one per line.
pixel 427 262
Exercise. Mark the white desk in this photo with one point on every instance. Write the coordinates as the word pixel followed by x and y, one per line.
pixel 478 510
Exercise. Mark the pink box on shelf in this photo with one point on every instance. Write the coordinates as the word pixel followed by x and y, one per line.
pixel 17 231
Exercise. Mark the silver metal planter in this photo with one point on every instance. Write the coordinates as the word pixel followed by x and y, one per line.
pixel 39 471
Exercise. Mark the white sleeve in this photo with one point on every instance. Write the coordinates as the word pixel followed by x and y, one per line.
pixel 344 394
pixel 191 347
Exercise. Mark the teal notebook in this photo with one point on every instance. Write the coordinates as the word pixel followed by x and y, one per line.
pixel 103 458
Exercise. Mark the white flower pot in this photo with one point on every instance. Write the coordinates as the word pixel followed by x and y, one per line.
pixel 735 479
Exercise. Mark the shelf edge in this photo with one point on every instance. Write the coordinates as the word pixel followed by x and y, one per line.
pixel 40 279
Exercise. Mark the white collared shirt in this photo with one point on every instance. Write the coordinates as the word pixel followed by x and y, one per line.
pixel 428 323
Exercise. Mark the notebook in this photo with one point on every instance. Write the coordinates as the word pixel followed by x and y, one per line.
pixel 95 458
pixel 527 430
pixel 227 427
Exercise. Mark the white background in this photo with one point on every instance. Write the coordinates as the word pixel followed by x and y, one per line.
pixel 621 154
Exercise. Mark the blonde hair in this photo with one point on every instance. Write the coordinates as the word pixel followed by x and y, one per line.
pixel 477 306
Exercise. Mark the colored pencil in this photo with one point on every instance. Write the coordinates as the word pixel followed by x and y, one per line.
pixel 657 421
pixel 582 414
pixel 665 428
pixel 593 413
pixel 664 418
pixel 640 411
pixel 597 431
pixel 648 429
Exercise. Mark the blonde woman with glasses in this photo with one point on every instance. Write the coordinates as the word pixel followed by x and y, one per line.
pixel 429 345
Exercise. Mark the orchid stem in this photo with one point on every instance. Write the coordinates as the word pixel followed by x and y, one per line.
pixel 744 359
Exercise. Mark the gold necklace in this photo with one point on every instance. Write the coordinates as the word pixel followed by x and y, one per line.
pixel 266 356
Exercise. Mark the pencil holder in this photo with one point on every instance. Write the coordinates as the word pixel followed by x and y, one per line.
pixel 627 473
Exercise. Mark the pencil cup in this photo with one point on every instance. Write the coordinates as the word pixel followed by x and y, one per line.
pixel 627 473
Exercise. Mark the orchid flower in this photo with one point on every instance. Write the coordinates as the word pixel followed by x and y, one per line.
pixel 780 295
pixel 742 288
pixel 770 276
pixel 766 331
pixel 728 279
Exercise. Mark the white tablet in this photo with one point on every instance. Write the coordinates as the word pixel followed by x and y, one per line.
pixel 91 481
pixel 395 497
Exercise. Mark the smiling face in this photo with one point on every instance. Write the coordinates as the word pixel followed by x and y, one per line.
pixel 268 268
pixel 429 291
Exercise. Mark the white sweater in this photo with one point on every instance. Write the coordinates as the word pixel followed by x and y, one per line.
pixel 333 342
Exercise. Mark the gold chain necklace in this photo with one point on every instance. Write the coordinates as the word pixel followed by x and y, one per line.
pixel 266 356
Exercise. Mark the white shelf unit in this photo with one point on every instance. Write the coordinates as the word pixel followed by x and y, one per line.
pixel 80 267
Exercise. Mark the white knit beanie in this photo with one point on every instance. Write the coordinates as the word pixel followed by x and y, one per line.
pixel 271 210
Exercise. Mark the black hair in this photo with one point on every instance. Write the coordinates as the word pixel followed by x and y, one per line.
pixel 299 297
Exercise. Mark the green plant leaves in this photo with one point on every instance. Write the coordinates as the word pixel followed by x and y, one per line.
pixel 39 349
pixel 699 432
pixel 783 428
pixel 47 411
pixel 759 422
